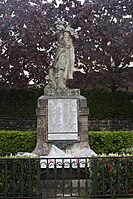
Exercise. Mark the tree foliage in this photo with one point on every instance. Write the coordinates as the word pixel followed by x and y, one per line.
pixel 27 44
pixel 108 42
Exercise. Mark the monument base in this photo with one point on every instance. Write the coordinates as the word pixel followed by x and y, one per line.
pixel 62 120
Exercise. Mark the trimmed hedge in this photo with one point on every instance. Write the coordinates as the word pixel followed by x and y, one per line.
pixel 12 142
pixel 18 103
pixel 21 103
pixel 110 142
pixel 108 105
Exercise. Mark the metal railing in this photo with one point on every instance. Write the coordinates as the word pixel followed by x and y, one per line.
pixel 67 177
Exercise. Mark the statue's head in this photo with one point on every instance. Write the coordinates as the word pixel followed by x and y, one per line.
pixel 60 25
pixel 60 22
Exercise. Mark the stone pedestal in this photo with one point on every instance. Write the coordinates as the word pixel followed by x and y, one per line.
pixel 62 120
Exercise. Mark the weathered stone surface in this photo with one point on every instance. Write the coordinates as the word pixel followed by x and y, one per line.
pixel 60 92
pixel 78 122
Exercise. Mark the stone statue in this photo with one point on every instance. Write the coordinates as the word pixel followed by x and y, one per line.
pixel 63 66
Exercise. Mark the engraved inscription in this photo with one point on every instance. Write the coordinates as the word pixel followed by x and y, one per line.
pixel 62 117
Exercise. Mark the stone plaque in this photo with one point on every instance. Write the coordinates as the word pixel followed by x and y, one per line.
pixel 63 136
pixel 62 119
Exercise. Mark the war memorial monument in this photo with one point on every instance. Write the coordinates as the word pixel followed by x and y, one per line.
pixel 62 113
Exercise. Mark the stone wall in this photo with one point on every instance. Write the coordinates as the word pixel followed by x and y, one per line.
pixel 18 124
pixel 110 125
pixel 93 124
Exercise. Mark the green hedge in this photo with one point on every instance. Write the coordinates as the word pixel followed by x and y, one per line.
pixel 12 142
pixel 107 105
pixel 110 142
pixel 18 103
pixel 21 103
